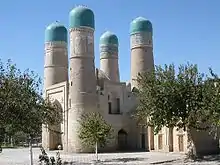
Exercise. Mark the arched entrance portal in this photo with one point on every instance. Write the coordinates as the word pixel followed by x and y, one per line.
pixel 122 139
pixel 55 131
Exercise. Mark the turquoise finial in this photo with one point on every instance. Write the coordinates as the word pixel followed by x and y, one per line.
pixel 81 17
pixel 108 38
pixel 140 24
pixel 55 32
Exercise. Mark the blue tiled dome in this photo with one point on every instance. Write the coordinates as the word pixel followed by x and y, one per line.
pixel 140 24
pixel 81 16
pixel 108 38
pixel 55 32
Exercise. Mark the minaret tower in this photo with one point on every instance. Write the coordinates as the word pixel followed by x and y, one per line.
pixel 83 96
pixel 109 56
pixel 55 70
pixel 141 33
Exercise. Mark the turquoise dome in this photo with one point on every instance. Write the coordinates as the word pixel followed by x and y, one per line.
pixel 140 24
pixel 81 16
pixel 108 38
pixel 55 32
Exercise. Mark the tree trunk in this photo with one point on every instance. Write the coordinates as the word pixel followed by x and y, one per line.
pixel 96 151
pixel 0 147
pixel 8 141
pixel 31 151
pixel 192 154
pixel 11 141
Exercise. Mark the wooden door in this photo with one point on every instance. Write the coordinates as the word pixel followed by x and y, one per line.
pixel 170 139
pixel 180 141
pixel 143 145
pixel 151 138
pixel 122 140
pixel 160 142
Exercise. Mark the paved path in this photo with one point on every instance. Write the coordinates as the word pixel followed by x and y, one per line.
pixel 21 157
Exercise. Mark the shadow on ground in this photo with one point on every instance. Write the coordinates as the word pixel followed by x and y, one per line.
pixel 208 158
pixel 124 160
pixel 119 160
pixel 75 163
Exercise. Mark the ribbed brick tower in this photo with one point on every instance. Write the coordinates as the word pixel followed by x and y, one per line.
pixel 142 60
pixel 141 39
pixel 109 55
pixel 82 93
pixel 55 71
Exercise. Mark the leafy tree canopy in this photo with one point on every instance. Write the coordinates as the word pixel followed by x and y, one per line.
pixel 184 98
pixel 22 107
pixel 94 129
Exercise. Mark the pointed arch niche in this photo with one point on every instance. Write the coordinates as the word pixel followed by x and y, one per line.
pixel 55 131
pixel 122 139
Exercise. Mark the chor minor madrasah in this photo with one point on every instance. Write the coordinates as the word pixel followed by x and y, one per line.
pixel 78 86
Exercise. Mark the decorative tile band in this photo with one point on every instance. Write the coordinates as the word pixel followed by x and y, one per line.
pixel 105 55
pixel 81 42
pixel 82 29
pixel 141 39
pixel 56 44
pixel 109 49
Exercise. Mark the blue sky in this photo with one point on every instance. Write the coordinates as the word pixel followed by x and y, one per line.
pixel 184 30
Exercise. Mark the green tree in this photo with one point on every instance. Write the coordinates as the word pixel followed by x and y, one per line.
pixel 22 106
pixel 94 130
pixel 19 137
pixel 10 131
pixel 21 103
pixel 184 99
